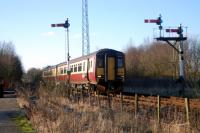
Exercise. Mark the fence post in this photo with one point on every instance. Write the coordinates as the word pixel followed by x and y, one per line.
pixel 78 96
pixel 109 101
pixel 99 102
pixel 136 105
pixel 90 98
pixel 121 97
pixel 136 110
pixel 187 110
pixel 82 93
pixel 158 109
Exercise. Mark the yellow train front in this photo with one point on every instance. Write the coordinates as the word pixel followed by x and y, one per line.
pixel 110 70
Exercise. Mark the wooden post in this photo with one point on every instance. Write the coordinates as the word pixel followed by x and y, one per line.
pixel 70 93
pixel 99 102
pixel 78 97
pixel 158 109
pixel 136 110
pixel 121 97
pixel 82 95
pixel 89 99
pixel 187 110
pixel 136 105
pixel 109 105
pixel 175 113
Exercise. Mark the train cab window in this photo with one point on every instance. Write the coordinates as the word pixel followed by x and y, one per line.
pixel 83 66
pixel 100 62
pixel 79 67
pixel 120 61
pixel 71 68
pixel 75 68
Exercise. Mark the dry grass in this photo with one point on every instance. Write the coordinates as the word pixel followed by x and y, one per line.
pixel 57 111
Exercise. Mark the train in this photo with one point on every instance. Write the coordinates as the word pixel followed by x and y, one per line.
pixel 103 70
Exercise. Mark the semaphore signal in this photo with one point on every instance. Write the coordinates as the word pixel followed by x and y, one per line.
pixel 157 21
pixel 66 26
pixel 172 30
pixel 172 41
pixel 57 25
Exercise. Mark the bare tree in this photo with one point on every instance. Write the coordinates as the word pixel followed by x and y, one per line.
pixel 34 76
pixel 193 59
pixel 10 64
pixel 150 60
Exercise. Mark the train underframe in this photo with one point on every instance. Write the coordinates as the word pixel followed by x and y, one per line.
pixel 114 87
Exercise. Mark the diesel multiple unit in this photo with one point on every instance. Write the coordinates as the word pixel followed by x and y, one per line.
pixel 103 70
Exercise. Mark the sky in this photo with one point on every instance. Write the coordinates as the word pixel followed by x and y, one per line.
pixel 112 24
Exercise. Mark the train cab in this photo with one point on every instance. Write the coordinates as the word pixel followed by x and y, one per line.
pixel 110 69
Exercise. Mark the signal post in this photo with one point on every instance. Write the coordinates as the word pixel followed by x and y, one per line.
pixel 172 41
pixel 66 26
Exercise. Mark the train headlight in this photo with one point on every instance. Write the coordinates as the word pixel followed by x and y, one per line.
pixel 99 76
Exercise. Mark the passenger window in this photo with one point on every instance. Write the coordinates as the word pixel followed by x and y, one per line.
pixel 71 68
pixel 120 62
pixel 79 67
pixel 88 64
pixel 61 70
pixel 91 64
pixel 75 68
pixel 65 70
pixel 83 66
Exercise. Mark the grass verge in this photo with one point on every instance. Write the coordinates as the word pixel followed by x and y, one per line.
pixel 23 123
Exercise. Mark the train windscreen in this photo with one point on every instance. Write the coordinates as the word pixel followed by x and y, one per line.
pixel 100 62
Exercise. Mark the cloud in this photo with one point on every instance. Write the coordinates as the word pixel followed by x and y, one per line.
pixel 48 34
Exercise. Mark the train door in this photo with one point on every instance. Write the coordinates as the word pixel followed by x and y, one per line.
pixel 111 68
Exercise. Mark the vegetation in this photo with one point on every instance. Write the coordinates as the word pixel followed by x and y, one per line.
pixel 151 60
pixel 157 60
pixel 23 123
pixel 33 77
pixel 60 112
pixel 10 64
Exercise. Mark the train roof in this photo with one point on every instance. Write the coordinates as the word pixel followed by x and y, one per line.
pixel 49 67
pixel 101 51
pixel 62 63
pixel 108 50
